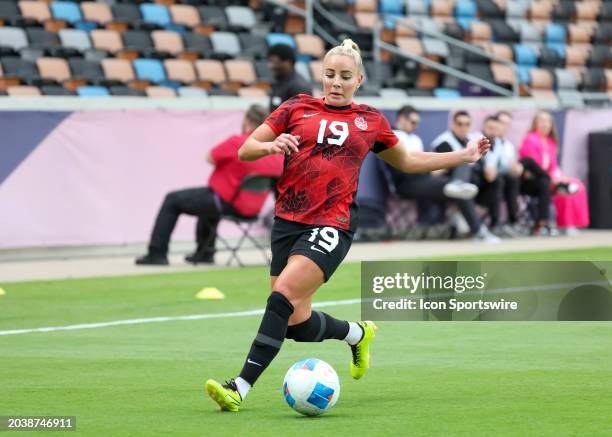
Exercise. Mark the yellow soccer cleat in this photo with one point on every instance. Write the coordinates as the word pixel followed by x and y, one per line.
pixel 361 351
pixel 226 395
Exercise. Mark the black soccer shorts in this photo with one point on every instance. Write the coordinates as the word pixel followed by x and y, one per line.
pixel 326 246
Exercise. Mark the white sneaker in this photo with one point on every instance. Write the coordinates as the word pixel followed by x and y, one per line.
pixel 485 236
pixel 460 190
pixel 571 231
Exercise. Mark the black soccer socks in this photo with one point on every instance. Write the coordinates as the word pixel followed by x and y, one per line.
pixel 269 338
pixel 320 326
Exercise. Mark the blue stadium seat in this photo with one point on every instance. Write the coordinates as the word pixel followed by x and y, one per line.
pixel 67 11
pixel 280 38
pixel 155 14
pixel 93 91
pixel 150 69
pixel 524 75
pixel 525 55
pixel 446 93
pixel 555 35
pixel 465 12
pixel 395 7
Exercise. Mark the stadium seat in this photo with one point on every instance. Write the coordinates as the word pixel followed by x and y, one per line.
pixel 180 70
pixel 465 12
pixel 366 20
pixel 160 91
pixel 587 10
pixel 75 39
pixel 225 44
pixel 213 16
pixel 240 17
pixel 280 38
pixel 55 90
pixel 365 5
pixel 211 71
pixel 185 15
pixel 541 82
pixel 167 41
pixel 121 90
pixel 127 13
pixel 310 45
pixel 13 37
pixel 66 11
pixel 109 40
pixel 410 45
pixel 435 47
pixel 264 74
pixel 251 92
pixel 489 9
pixel 56 69
pixel 118 70
pixel 155 14
pixel 91 71
pixel 555 38
pixel 9 13
pixel 503 74
pixel 240 71
pixel 316 71
pixel 565 80
pixel 138 40
pixel 570 99
pixel 394 7
pixel 14 67
pixel 550 58
pixel 445 93
pixel 392 93
pixel 93 91
pixel 149 69
pixel 96 12
pixel 601 56
pixel 303 70
pixel 36 10
pixel 197 43
pixel 189 91
pixel 253 45
pixel 417 8
pixel 23 91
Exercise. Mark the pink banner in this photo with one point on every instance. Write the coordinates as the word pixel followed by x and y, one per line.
pixel 100 177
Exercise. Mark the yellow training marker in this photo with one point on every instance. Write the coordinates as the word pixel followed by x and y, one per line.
pixel 210 293
pixel 2 292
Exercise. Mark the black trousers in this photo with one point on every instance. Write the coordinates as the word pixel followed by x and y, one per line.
pixel 490 196
pixel 536 182
pixel 511 189
pixel 425 188
pixel 199 202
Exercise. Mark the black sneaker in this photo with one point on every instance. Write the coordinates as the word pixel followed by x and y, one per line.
pixel 152 260
pixel 199 258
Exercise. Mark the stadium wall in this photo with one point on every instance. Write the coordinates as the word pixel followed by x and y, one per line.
pixel 97 176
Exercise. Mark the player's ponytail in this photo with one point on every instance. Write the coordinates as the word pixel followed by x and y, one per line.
pixel 349 48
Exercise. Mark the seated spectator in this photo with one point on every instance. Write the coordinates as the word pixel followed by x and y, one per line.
pixel 456 138
pixel 210 203
pixel 541 144
pixel 423 187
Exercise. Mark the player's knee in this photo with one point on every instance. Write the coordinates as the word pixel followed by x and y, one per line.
pixel 279 304
pixel 292 294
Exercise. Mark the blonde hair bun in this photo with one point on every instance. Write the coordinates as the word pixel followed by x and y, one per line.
pixel 350 44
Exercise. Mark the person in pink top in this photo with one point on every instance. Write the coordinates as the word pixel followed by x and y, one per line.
pixel 569 195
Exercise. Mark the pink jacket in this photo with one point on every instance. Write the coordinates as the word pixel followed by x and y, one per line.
pixel 532 147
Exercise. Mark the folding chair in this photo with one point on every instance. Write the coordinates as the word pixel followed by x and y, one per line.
pixel 253 184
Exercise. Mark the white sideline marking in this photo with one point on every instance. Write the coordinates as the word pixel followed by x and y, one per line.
pixel 330 303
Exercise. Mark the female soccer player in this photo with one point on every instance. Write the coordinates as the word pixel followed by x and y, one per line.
pixel 324 142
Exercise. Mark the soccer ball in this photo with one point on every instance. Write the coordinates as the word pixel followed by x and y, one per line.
pixel 311 387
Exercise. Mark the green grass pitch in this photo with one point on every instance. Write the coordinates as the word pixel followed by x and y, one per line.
pixel 428 378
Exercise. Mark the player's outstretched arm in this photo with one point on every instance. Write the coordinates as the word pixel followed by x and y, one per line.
pixel 421 162
pixel 263 142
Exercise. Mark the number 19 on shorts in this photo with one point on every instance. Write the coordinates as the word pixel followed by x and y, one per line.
pixel 327 239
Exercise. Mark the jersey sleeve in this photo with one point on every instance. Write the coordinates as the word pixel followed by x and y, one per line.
pixel 385 139
pixel 279 119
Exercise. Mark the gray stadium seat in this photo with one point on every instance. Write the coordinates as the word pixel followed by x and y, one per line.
pixel 416 8
pixel 571 98
pixel 565 79
pixel 517 9
pixel 240 16
pixel 303 70
pixel 225 43
pixel 392 93
pixel 13 37
pixel 435 47
pixel 75 38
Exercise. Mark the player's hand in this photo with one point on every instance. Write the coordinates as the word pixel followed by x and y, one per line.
pixel 476 149
pixel 285 144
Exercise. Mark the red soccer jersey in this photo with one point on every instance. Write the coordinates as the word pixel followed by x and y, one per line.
pixel 319 182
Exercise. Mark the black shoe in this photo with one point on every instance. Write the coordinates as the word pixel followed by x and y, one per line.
pixel 199 258
pixel 152 260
